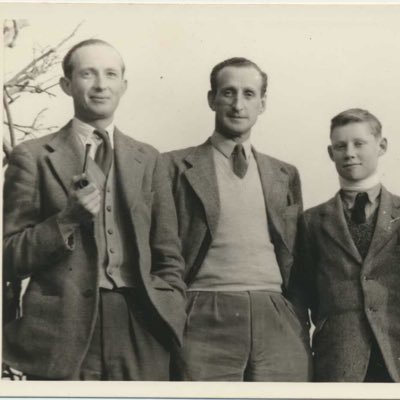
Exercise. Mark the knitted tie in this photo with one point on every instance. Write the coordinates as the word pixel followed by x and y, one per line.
pixel 239 161
pixel 358 212
pixel 104 151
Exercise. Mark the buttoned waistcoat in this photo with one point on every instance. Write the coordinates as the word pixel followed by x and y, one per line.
pixel 61 301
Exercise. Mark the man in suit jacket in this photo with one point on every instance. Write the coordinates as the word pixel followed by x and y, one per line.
pixel 105 299
pixel 351 257
pixel 237 215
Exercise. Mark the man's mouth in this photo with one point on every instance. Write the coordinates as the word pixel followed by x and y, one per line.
pixel 98 98
pixel 351 165
pixel 236 117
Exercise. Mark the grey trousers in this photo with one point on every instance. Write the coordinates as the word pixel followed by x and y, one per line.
pixel 126 344
pixel 242 336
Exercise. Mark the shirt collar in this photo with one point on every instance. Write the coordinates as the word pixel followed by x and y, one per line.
pixel 349 196
pixel 226 146
pixel 85 131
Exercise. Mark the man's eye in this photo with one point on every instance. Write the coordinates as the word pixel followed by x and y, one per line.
pixel 112 74
pixel 86 74
pixel 339 147
pixel 358 144
pixel 228 93
pixel 249 94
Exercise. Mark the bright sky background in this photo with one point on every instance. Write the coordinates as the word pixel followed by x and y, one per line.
pixel 321 59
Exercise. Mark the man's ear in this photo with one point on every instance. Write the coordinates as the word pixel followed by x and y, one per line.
pixel 211 98
pixel 383 143
pixel 65 84
pixel 330 152
pixel 125 86
pixel 263 103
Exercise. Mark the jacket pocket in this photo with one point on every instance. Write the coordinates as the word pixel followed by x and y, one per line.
pixel 160 284
pixel 191 302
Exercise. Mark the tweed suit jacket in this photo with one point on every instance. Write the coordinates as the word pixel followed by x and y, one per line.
pixel 61 301
pixel 194 185
pixel 351 298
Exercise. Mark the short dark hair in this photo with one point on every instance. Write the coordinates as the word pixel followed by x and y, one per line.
pixel 67 61
pixel 354 115
pixel 237 62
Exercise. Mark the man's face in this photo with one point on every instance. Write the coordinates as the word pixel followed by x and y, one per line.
pixel 237 102
pixel 96 84
pixel 355 150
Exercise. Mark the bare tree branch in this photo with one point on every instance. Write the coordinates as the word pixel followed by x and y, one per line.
pixel 10 122
pixel 35 62
pixel 7 149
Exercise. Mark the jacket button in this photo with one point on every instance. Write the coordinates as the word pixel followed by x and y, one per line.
pixel 88 293
pixel 108 208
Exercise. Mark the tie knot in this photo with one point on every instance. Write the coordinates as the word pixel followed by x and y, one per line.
pixel 239 161
pixel 102 134
pixel 104 153
pixel 239 149
pixel 358 213
pixel 362 199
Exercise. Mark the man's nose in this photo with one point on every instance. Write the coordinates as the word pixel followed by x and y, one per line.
pixel 238 103
pixel 100 82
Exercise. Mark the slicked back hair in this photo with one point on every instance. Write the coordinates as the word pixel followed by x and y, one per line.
pixel 355 115
pixel 237 62
pixel 67 64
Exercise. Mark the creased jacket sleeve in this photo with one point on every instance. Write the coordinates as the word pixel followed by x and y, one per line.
pixel 302 282
pixel 167 261
pixel 30 241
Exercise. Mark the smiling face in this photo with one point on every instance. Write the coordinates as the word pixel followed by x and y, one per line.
pixel 96 84
pixel 355 150
pixel 237 101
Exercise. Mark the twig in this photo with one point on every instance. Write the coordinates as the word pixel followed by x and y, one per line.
pixel 10 122
pixel 41 57
pixel 7 150
pixel 37 117
pixel 31 89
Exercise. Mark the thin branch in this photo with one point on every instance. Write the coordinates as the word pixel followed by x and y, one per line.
pixel 41 57
pixel 37 117
pixel 7 149
pixel 32 89
pixel 9 119
pixel 51 86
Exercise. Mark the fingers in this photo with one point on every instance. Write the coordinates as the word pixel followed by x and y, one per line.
pixel 84 201
pixel 89 198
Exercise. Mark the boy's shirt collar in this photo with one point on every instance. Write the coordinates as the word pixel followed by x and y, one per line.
pixel 349 196
pixel 226 146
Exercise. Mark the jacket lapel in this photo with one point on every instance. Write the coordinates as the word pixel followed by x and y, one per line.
pixel 202 178
pixel 129 165
pixel 387 221
pixel 334 223
pixel 66 157
pixel 274 184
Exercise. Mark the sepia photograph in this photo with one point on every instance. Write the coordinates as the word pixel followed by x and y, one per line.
pixel 201 200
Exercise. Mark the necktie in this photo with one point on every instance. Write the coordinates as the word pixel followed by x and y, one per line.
pixel 358 212
pixel 104 152
pixel 239 161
